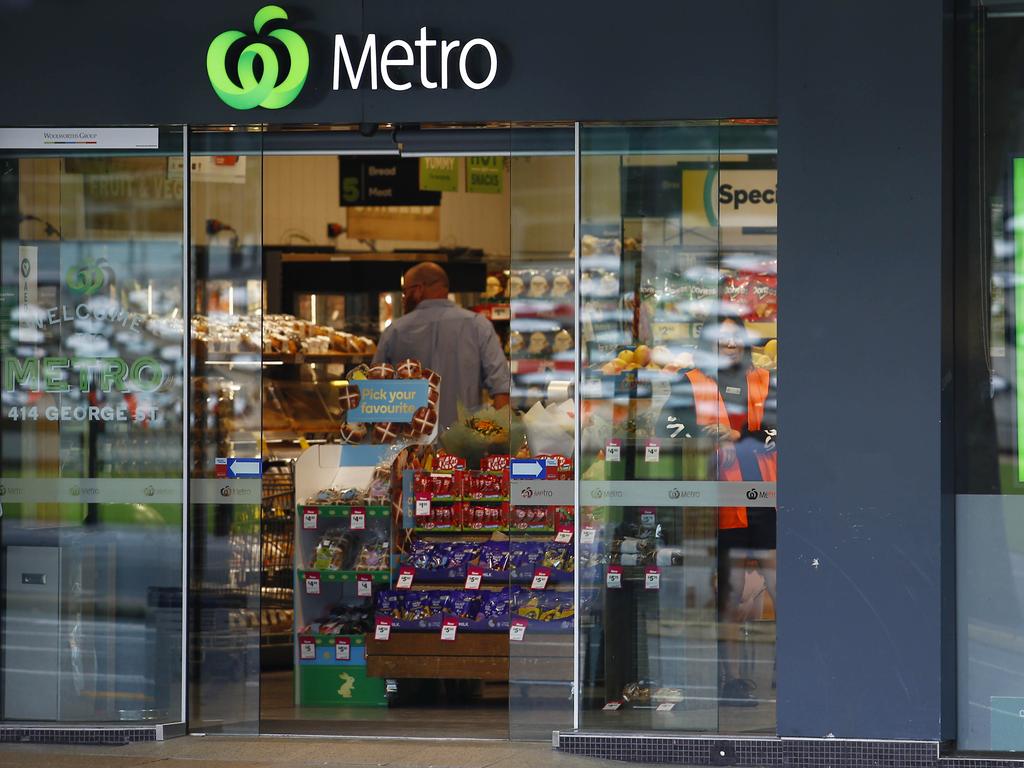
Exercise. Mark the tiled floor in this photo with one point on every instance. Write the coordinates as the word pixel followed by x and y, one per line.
pixel 228 752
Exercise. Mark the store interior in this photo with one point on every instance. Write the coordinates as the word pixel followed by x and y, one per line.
pixel 393 579
pixel 325 286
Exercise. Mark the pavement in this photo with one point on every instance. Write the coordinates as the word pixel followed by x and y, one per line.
pixel 270 752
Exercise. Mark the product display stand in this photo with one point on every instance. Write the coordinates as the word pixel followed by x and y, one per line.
pixel 330 666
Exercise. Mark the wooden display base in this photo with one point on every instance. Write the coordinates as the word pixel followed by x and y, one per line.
pixel 471 656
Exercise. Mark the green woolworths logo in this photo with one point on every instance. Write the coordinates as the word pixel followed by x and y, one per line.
pixel 264 92
pixel 87 277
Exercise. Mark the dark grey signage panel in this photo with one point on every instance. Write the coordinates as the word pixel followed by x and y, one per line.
pixel 114 62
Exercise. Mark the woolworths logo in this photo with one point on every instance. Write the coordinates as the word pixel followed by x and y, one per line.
pixel 245 90
pixel 87 277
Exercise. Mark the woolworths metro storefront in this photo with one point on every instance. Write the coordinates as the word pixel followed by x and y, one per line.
pixel 206 213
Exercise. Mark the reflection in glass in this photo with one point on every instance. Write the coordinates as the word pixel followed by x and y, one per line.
pixel 678 312
pixel 225 388
pixel 91 314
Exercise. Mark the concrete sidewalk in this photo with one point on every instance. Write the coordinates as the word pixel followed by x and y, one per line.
pixel 269 752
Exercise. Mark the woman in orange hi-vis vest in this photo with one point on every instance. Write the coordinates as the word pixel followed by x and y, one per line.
pixel 730 400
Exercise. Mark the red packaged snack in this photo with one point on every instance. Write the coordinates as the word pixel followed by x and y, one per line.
pixel 495 463
pixel 443 515
pixel 448 462
pixel 486 485
pixel 736 291
pixel 421 484
pixel 764 291
pixel 485 516
pixel 528 518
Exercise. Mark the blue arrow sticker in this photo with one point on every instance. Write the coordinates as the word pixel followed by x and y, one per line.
pixel 528 469
pixel 245 468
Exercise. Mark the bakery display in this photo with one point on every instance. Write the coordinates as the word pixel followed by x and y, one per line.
pixel 271 335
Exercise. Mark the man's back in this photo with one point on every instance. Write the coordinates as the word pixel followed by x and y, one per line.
pixel 458 344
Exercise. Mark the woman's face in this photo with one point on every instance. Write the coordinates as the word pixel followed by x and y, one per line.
pixel 730 342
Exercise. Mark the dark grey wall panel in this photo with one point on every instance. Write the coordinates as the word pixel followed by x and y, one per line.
pixel 111 62
pixel 656 59
pixel 864 625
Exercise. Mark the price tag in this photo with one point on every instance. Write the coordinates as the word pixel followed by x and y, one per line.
pixel 449 627
pixel 613 579
pixel 540 578
pixel 564 535
pixel 588 535
pixel 613 450
pixel 652 577
pixel 309 518
pixel 423 506
pixel 342 649
pixel 611 706
pixel 474 576
pixel 405 577
pixel 312 583
pixel 383 629
pixel 501 312
pixel 652 451
pixel 648 517
pixel 364 585
pixel 307 648
pixel 517 630
pixel 357 519
pixel 668 706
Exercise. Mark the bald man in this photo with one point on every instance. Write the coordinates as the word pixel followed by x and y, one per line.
pixel 458 344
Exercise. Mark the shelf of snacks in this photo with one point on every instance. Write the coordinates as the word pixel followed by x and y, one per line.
pixel 346 510
pixel 332 576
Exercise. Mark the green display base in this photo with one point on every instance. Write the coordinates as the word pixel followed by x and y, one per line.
pixel 341 686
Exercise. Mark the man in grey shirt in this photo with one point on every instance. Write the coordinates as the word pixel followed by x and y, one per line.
pixel 458 344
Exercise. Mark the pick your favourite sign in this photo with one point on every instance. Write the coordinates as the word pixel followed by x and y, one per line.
pixel 245 70
pixel 384 400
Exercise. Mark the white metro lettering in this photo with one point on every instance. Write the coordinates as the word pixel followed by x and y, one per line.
pixel 398 55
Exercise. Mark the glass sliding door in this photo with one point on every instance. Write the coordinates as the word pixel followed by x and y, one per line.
pixel 678 275
pixel 542 355
pixel 226 294
pixel 91 444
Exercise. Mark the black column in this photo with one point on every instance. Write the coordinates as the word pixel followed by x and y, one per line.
pixel 865 611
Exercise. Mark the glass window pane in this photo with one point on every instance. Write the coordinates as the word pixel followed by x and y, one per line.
pixel 225 389
pixel 678 311
pixel 91 313
pixel 989 303
pixel 542 354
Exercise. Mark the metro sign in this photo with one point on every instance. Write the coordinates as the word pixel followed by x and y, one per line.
pixel 449 56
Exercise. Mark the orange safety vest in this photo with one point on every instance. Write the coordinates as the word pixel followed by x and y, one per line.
pixel 711 410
